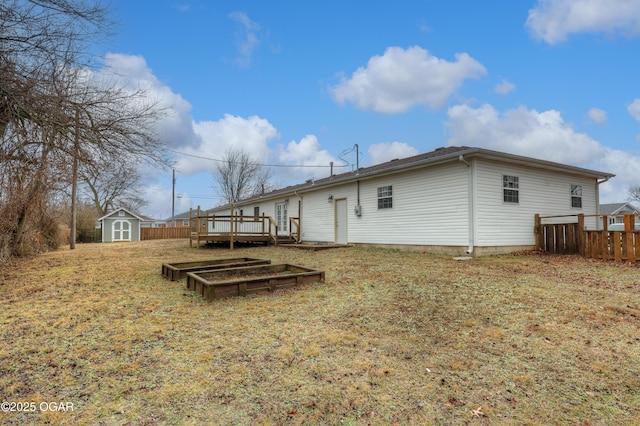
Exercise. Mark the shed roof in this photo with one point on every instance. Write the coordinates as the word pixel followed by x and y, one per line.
pixel 122 209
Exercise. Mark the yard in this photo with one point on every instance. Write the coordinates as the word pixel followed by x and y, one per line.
pixel 390 337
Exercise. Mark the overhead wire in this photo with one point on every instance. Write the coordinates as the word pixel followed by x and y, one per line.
pixel 265 165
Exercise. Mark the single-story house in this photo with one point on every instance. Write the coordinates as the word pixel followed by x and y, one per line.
pixel 615 210
pixel 455 200
pixel 149 222
pixel 120 225
pixel 179 220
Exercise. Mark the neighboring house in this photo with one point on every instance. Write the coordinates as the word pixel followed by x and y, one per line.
pixel 617 210
pixel 149 222
pixel 455 200
pixel 120 225
pixel 181 219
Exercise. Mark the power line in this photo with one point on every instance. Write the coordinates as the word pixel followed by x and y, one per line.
pixel 265 165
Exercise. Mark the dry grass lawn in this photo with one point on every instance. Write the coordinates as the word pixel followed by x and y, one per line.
pixel 390 338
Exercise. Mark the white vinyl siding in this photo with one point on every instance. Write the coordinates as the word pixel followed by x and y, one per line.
pixel 430 207
pixel 317 219
pixel 544 192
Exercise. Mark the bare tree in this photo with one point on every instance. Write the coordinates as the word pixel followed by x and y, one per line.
pixel 239 176
pixel 110 184
pixel 53 117
pixel 634 193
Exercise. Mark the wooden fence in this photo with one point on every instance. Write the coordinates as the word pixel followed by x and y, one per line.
pixel 569 235
pixel 164 233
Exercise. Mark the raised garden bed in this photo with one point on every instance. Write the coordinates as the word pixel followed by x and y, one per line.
pixel 216 284
pixel 177 271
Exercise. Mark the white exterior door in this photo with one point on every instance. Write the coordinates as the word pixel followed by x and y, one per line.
pixel 121 230
pixel 281 218
pixel 340 215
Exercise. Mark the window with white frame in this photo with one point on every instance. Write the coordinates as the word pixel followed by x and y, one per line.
pixel 510 189
pixel 576 196
pixel 385 197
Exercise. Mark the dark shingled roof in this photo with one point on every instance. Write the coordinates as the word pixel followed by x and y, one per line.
pixel 439 155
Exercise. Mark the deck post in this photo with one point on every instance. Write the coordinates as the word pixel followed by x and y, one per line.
pixel 299 221
pixel 190 226
pixel 198 228
pixel 232 226
pixel 536 230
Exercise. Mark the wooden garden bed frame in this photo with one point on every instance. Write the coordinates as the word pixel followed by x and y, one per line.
pixel 178 270
pixel 217 284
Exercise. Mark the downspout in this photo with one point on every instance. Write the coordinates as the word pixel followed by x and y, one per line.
pixel 470 204
pixel 598 183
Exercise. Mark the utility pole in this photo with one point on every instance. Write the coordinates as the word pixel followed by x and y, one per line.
pixel 173 199
pixel 74 183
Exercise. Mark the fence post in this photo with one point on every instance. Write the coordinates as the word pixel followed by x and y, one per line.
pixel 581 235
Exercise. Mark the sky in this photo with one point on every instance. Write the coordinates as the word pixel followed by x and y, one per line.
pixel 299 84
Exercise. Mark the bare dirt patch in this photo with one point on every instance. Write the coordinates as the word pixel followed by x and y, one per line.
pixel 390 337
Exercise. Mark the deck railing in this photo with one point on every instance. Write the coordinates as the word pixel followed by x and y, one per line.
pixel 589 235
pixel 232 228
pixel 294 228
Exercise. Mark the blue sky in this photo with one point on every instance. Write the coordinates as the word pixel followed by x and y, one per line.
pixel 298 83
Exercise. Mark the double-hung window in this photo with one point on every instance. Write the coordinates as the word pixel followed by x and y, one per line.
pixel 385 197
pixel 576 196
pixel 510 189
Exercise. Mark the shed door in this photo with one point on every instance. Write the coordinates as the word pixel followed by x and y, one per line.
pixel 121 230
pixel 340 215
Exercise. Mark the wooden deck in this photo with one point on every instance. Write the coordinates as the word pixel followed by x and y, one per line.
pixel 235 229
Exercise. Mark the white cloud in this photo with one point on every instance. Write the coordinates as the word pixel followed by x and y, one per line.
pixel 159 202
pixel 504 87
pixel 634 109
pixel 247 40
pixel 627 169
pixel 402 79
pixel 308 152
pixel 381 152
pixel 522 131
pixel 597 115
pixel 543 135
pixel 553 20
pixel 133 73
pixel 216 137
